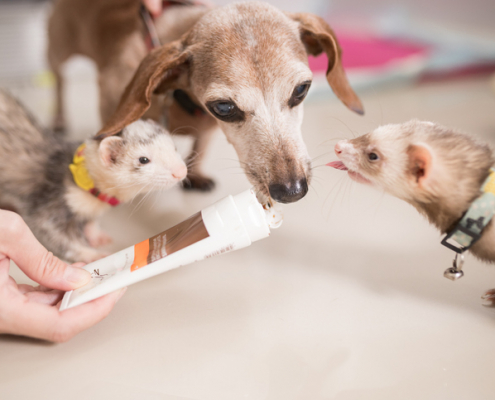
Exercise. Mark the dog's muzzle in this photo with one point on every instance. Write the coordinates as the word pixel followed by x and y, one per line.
pixel 289 192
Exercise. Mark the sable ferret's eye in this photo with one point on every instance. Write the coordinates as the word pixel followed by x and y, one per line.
pixel 373 156
pixel 144 160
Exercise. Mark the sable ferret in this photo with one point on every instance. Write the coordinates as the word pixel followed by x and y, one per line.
pixel 437 170
pixel 36 181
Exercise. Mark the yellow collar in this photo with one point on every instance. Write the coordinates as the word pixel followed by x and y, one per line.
pixel 79 171
pixel 84 181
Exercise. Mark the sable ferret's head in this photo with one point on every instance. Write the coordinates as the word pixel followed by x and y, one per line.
pixel 142 158
pixel 420 162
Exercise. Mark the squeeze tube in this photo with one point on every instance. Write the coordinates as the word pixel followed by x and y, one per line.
pixel 229 224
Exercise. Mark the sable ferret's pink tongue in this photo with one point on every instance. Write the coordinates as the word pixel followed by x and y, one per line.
pixel 337 165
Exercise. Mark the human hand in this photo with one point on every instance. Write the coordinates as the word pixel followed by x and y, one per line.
pixel 33 311
pixel 155 7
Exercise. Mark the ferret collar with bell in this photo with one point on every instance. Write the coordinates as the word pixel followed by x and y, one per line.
pixel 470 227
pixel 84 181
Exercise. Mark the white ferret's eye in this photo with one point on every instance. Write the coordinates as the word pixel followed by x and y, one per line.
pixel 373 156
pixel 144 160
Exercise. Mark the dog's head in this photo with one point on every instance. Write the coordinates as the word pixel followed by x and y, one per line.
pixel 247 65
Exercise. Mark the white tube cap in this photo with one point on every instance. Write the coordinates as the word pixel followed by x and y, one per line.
pixel 252 215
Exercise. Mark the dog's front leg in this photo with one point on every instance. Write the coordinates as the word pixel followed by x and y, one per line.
pixel 195 179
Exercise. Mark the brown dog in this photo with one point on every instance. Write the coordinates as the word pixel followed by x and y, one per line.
pixel 243 67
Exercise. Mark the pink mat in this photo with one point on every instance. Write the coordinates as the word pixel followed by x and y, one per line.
pixel 369 53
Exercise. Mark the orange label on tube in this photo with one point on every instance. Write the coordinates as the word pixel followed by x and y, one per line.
pixel 141 251
pixel 186 233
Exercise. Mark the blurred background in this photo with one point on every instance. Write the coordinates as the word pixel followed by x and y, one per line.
pixel 437 24
pixel 347 299
pixel 385 43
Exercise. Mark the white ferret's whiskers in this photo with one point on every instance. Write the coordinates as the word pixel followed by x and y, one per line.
pixel 343 123
pixel 347 194
pixel 339 185
pixel 328 153
pixel 311 185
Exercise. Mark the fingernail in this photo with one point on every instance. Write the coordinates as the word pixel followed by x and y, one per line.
pixel 76 276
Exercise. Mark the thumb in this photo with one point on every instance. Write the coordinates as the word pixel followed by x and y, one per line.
pixel 18 243
pixel 50 271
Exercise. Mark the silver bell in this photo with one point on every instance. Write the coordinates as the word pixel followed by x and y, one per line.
pixel 455 272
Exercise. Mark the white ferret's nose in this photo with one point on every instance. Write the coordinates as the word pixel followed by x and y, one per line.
pixel 343 147
pixel 179 172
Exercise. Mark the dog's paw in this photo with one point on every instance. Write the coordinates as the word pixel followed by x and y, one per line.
pixel 198 183
pixel 489 298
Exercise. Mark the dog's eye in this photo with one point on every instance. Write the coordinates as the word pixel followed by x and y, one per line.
pixel 223 109
pixel 226 111
pixel 373 156
pixel 144 160
pixel 299 94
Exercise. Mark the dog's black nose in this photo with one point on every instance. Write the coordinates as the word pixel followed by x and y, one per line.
pixel 289 192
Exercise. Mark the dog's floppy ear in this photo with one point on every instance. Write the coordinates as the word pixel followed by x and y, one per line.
pixel 317 37
pixel 157 72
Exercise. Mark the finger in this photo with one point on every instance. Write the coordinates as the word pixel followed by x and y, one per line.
pixel 5 279
pixel 4 271
pixel 154 6
pixel 84 316
pixel 18 243
pixel 43 322
pixel 49 298
pixel 26 288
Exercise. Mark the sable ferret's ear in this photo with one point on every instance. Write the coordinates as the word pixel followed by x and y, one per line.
pixel 317 36
pixel 109 150
pixel 157 73
pixel 420 163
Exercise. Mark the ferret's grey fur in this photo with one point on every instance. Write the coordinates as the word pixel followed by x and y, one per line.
pixel 36 182
pixel 460 165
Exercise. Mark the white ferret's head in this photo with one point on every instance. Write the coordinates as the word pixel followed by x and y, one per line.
pixel 140 159
pixel 417 161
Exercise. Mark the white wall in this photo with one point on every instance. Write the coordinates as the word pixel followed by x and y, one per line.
pixel 474 13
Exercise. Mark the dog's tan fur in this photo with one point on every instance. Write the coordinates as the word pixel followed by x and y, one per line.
pixel 248 53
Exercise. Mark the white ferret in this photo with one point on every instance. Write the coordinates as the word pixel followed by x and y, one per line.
pixel 437 170
pixel 39 171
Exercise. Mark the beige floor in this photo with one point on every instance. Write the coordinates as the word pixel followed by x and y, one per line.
pixel 345 301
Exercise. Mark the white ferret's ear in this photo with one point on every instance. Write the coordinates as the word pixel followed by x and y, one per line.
pixel 109 149
pixel 420 163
